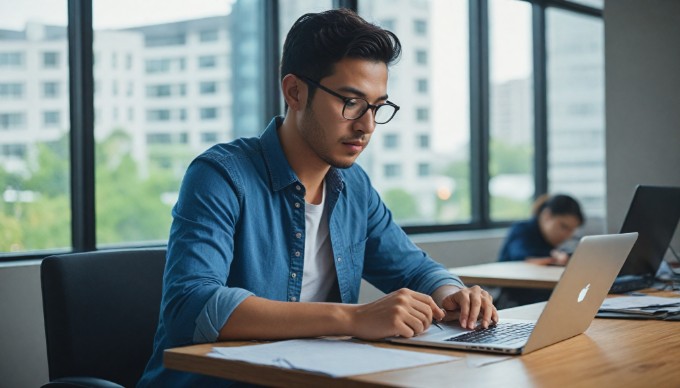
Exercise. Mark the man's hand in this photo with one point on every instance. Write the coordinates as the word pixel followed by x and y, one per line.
pixel 402 313
pixel 469 305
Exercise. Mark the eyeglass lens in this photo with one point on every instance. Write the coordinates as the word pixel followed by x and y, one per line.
pixel 355 108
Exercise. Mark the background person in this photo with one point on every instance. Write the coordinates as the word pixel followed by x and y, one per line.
pixel 555 219
pixel 538 240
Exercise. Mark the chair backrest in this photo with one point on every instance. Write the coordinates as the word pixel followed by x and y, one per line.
pixel 101 311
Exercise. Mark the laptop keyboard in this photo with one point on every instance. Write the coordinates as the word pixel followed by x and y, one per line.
pixel 502 333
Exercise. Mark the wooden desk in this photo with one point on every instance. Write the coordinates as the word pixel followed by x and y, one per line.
pixel 621 353
pixel 510 274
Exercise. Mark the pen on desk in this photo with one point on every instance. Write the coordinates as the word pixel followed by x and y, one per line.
pixel 436 324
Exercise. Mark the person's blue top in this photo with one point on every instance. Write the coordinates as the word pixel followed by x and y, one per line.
pixel 238 230
pixel 524 240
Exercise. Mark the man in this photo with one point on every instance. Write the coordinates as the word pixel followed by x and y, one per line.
pixel 272 235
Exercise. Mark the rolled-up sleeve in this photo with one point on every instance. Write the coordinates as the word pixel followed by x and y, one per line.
pixel 197 302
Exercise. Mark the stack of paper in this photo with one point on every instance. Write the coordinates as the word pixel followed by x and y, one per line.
pixel 641 307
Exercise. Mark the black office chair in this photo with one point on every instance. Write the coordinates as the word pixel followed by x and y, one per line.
pixel 101 310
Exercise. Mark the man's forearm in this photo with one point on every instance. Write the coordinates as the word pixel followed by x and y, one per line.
pixel 259 318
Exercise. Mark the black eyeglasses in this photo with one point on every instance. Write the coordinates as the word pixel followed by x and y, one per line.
pixel 355 107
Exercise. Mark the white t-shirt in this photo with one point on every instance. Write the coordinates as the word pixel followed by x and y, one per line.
pixel 318 274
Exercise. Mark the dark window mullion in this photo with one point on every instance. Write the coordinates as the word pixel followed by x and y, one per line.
pixel 349 4
pixel 81 99
pixel 479 111
pixel 272 103
pixel 540 100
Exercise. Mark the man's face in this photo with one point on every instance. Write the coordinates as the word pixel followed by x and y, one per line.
pixel 334 139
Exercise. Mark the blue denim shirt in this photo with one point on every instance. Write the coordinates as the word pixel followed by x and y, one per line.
pixel 524 240
pixel 238 230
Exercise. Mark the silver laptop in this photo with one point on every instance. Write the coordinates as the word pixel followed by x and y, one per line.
pixel 569 311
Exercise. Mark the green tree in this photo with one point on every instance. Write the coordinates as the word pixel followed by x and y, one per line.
pixel 51 175
pixel 43 221
pixel 509 158
pixel 402 204
pixel 129 208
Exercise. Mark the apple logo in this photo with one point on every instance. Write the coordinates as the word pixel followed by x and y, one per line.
pixel 582 294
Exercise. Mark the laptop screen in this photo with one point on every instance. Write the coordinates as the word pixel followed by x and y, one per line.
pixel 654 213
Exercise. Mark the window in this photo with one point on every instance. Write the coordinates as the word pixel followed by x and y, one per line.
pixel 50 60
pixel 576 124
pixel 207 87
pixel 9 60
pixel 388 24
pixel 431 84
pixel 422 86
pixel 421 57
pixel 158 65
pixel 392 170
pixel 391 141
pixel 183 138
pixel 51 119
pixel 156 91
pixel 149 125
pixel 423 141
pixel 208 113
pixel 209 137
pixel 511 183
pixel 422 114
pixel 51 89
pixel 10 121
pixel 420 27
pixel 34 164
pixel 153 115
pixel 207 61
pixel 158 138
pixel 168 38
pixel 11 91
pixel 208 35
pixel 423 169
pixel 17 151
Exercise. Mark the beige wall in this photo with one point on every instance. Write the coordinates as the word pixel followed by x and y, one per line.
pixel 642 73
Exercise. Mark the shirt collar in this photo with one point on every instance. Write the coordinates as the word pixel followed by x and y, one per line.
pixel 281 174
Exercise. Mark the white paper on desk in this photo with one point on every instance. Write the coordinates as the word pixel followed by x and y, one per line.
pixel 479 360
pixel 336 358
pixel 633 302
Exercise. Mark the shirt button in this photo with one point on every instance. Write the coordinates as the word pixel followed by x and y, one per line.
pixel 297 205
pixel 293 299
pixel 339 259
pixel 298 235
pixel 293 275
pixel 297 253
pixel 298 188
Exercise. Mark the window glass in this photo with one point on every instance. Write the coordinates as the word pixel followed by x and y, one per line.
pixel 576 123
pixel 425 180
pixel 165 56
pixel 34 130
pixel 511 151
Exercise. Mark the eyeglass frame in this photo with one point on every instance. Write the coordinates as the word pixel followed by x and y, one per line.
pixel 345 99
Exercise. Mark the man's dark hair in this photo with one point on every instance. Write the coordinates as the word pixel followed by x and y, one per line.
pixel 317 41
